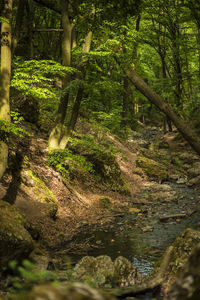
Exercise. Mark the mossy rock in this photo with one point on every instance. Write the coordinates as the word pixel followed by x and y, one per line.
pixel 152 168
pixel 182 248
pixel 44 195
pixel 102 271
pixel 178 254
pixel 186 285
pixel 107 170
pixel 16 243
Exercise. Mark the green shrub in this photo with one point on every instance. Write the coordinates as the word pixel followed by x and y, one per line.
pixel 25 276
pixel 65 161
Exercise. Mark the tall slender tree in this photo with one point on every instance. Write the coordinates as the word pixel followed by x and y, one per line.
pixel 5 74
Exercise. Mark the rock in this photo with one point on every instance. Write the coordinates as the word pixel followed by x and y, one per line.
pixel 101 271
pixel 195 170
pixel 152 168
pixel 94 270
pixel 107 170
pixel 161 187
pixel 40 261
pixel 73 291
pixel 187 157
pixel 125 274
pixel 182 180
pixel 186 286
pixel 16 243
pixel 194 181
pixel 181 249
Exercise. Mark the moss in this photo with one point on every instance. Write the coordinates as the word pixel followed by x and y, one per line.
pixel 152 168
pixel 107 171
pixel 182 248
pixel 15 241
pixel 138 171
pixel 105 202
pixel 43 193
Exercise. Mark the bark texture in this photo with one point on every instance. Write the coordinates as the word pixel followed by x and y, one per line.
pixel 5 74
pixel 56 133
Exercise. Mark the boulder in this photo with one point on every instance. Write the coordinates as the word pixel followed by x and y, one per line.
pixel 107 170
pixel 152 168
pixel 125 274
pixel 101 271
pixel 179 253
pixel 73 291
pixel 16 243
pixel 187 284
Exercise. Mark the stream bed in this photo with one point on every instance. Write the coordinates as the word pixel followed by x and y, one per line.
pixel 143 236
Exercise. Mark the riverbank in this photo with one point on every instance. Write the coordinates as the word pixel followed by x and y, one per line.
pixel 137 215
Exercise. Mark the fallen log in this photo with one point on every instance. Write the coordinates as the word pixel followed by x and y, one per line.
pixel 163 218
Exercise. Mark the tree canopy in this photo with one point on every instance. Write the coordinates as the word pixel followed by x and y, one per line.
pixel 73 59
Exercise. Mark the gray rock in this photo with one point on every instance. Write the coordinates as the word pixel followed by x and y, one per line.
pixel 101 271
pixel 195 170
pixel 125 273
pixel 194 181
pixel 182 180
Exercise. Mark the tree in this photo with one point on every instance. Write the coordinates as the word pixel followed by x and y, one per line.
pixel 184 128
pixel 56 132
pixel 5 75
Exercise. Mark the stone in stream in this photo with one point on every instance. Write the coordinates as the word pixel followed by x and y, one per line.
pixel 101 271
pixel 194 171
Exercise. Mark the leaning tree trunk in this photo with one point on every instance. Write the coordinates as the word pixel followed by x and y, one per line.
pixel 183 127
pixel 5 81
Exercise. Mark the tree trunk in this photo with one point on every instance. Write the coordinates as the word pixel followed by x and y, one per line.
pixel 184 128
pixel 5 80
pixel 79 96
pixel 56 133
pixel 18 25
pixel 126 102
pixel 30 20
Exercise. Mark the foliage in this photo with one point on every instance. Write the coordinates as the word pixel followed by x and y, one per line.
pixel 92 142
pixel 111 120
pixel 36 78
pixel 26 275
pixel 65 161
pixel 3 20
pixel 12 128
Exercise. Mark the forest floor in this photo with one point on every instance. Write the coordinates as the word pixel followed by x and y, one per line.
pixel 59 210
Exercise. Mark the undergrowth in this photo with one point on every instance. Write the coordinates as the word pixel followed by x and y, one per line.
pixel 25 276
pixel 75 157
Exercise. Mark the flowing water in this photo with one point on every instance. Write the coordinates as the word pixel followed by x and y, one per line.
pixel 144 239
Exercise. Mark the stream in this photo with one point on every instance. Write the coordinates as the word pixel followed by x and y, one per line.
pixel 143 234
pixel 143 237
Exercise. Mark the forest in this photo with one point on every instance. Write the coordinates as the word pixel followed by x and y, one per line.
pixel 99 149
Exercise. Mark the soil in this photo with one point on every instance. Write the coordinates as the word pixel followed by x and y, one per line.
pixel 78 199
